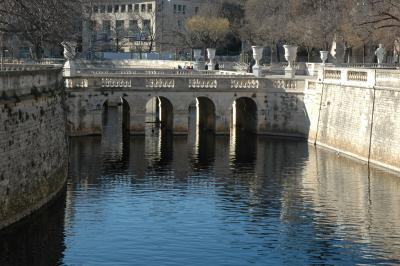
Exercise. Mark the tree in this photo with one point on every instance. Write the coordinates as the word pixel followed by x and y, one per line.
pixel 207 31
pixel 41 22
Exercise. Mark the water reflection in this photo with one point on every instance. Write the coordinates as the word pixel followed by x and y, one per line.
pixel 38 240
pixel 160 199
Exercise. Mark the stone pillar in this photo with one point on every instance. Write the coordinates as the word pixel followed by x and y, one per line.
pixel 181 120
pixel 137 123
pixel 222 121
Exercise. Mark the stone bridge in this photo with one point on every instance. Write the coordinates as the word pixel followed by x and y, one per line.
pixel 223 101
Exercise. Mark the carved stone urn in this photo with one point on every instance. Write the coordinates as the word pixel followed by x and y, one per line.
pixel 211 56
pixel 257 55
pixel 324 56
pixel 69 54
pixel 290 56
pixel 197 57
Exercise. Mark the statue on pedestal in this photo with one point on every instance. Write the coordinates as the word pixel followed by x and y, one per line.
pixel 69 55
pixel 380 53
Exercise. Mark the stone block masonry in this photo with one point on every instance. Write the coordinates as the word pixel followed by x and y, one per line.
pixel 33 143
pixel 358 118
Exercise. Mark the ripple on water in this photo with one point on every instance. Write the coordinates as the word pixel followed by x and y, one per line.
pixel 211 200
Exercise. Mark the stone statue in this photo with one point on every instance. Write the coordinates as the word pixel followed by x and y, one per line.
pixel 380 53
pixel 69 54
pixel 69 50
pixel 396 50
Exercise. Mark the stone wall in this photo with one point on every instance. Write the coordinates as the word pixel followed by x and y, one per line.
pixel 360 119
pixel 33 143
pixel 279 101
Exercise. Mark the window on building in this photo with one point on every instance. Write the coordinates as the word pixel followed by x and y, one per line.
pixel 146 25
pixel 136 8
pixel 184 9
pixel 123 8
pixel 102 9
pixel 116 8
pixel 196 10
pixel 149 7
pixel 143 8
pixel 120 24
pixel 133 26
pixel 109 9
pixel 179 8
pixel 175 9
pixel 106 26
pixel 95 9
pixel 179 23
pixel 106 29
pixel 130 8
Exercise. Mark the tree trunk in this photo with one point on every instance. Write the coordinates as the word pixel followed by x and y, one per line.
pixel 37 51
pixel 277 53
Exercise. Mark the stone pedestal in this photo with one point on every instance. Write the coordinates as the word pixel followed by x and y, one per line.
pixel 211 56
pixel 257 55
pixel 290 56
pixel 69 54
pixel 197 56
pixel 69 69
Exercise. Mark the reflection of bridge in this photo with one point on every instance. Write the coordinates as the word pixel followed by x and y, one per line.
pixel 262 105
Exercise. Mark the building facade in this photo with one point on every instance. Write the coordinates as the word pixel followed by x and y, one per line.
pixel 135 25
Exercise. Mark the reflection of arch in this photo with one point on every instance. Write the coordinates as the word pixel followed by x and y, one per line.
pixel 205 114
pixel 160 111
pixel 244 114
pixel 125 113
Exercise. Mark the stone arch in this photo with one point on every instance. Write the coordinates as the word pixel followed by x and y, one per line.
pixel 244 115
pixel 162 112
pixel 124 112
pixel 205 114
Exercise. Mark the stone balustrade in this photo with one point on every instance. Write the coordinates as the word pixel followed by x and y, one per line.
pixel 348 76
pixel 144 71
pixel 25 67
pixel 175 83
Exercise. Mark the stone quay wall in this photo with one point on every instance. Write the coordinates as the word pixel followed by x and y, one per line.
pixel 33 142
pixel 357 112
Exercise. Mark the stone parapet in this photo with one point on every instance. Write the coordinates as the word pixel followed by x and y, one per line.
pixel 33 143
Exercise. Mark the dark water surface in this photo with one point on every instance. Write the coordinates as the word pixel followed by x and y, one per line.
pixel 206 200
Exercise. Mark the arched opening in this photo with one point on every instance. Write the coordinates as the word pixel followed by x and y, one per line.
pixel 202 115
pixel 205 114
pixel 116 116
pixel 159 114
pixel 115 128
pixel 244 115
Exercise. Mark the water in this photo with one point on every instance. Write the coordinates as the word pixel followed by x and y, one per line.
pixel 206 200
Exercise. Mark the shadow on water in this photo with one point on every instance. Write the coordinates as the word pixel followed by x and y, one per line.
pixel 210 200
pixel 37 240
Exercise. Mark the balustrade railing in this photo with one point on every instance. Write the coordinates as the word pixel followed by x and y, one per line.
pixel 185 82
pixel 361 77
pixel 24 67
